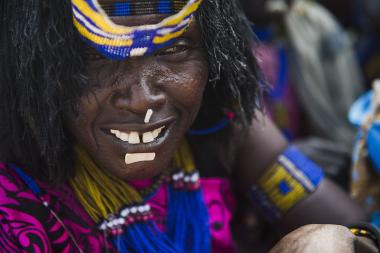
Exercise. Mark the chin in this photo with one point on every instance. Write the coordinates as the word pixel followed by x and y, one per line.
pixel 116 164
pixel 142 170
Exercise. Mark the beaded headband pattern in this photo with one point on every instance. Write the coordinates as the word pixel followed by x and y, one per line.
pixel 142 7
pixel 120 42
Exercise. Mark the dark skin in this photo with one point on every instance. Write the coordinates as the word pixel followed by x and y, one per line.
pixel 171 83
pixel 328 204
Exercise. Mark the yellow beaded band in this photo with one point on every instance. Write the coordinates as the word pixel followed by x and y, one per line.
pixel 291 179
pixel 119 42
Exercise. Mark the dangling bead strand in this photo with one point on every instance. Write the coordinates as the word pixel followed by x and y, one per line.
pixel 188 181
pixel 127 216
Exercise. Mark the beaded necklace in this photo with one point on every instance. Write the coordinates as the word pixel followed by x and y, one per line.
pixel 125 218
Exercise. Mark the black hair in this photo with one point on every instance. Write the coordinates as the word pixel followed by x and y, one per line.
pixel 42 75
pixel 234 75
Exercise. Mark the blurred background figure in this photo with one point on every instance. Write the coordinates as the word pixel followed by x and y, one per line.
pixel 365 183
pixel 365 112
pixel 367 26
pixel 311 66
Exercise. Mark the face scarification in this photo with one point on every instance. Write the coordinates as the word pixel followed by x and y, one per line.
pixel 110 122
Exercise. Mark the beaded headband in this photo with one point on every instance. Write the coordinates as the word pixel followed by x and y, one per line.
pixel 119 42
pixel 143 7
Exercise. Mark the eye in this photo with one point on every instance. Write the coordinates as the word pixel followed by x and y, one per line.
pixel 179 46
pixel 93 56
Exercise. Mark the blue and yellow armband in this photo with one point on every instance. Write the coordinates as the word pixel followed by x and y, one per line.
pixel 290 180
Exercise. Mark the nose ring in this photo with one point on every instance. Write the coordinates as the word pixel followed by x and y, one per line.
pixel 148 115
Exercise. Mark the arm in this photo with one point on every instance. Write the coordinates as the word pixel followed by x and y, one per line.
pixel 327 204
pixel 324 238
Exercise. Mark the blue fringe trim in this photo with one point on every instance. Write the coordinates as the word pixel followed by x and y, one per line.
pixel 188 225
pixel 27 180
pixel 143 238
pixel 187 228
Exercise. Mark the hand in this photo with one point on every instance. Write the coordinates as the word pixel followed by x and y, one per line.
pixel 323 238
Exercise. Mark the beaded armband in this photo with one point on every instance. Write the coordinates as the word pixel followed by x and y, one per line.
pixel 291 179
pixel 368 230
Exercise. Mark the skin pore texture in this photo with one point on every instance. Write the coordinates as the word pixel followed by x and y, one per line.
pixel 170 83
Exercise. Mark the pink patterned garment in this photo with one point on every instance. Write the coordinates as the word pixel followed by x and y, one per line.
pixel 26 225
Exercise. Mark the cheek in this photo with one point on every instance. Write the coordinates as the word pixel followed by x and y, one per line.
pixel 80 123
pixel 185 85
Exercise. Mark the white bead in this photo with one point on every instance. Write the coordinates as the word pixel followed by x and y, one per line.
pixel 181 174
pixel 187 179
pixel 103 226
pixel 195 177
pixel 110 224
pixel 134 210
pixel 141 209
pixel 175 177
pixel 121 221
pixel 125 212
pixel 139 51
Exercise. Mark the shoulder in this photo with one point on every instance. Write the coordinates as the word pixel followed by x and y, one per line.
pixel 261 137
pixel 10 184
pixel 260 144
pixel 21 215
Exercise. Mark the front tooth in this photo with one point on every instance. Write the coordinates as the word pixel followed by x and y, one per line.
pixel 155 133
pixel 124 136
pixel 159 130
pixel 134 138
pixel 148 137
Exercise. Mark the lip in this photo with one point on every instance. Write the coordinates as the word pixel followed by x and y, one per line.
pixel 141 128
pixel 141 147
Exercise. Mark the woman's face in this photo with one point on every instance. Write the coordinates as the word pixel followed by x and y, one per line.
pixel 110 125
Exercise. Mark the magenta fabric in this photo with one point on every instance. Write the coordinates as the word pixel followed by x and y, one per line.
pixel 26 225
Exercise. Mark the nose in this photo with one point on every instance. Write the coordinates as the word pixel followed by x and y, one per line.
pixel 139 96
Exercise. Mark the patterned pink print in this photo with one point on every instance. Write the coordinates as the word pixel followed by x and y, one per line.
pixel 26 225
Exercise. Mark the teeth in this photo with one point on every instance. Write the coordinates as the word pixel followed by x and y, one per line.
pixel 123 137
pixel 134 137
pixel 139 157
pixel 155 133
pixel 148 137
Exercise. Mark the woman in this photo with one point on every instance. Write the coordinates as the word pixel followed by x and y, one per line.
pixel 97 98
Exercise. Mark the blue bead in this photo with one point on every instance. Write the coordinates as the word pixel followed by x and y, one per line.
pixel 284 187
pixel 164 7
pixel 122 9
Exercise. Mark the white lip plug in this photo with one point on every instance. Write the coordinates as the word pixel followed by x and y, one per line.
pixel 139 157
pixel 148 115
